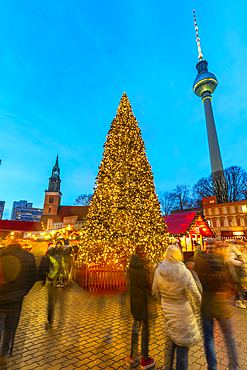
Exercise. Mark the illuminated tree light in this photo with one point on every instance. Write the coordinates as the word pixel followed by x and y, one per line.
pixel 124 211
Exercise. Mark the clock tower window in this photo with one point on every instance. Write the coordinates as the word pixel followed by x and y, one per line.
pixel 51 199
pixel 49 210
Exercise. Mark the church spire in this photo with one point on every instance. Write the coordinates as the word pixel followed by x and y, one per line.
pixel 54 180
pixel 56 169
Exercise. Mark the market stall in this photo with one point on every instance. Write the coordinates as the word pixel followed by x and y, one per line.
pixel 189 228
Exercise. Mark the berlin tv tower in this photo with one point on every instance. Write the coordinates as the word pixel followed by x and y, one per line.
pixel 203 86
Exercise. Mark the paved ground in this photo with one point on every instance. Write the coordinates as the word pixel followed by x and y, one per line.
pixel 93 332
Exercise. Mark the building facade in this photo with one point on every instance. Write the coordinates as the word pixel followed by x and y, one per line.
pixel 2 204
pixel 24 211
pixel 229 220
pixel 21 204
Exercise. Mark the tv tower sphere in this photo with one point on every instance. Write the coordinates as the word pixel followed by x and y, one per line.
pixel 205 82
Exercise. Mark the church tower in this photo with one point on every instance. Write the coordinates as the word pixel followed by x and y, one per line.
pixel 53 194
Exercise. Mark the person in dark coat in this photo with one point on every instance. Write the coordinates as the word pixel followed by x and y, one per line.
pixel 49 272
pixel 19 274
pixel 139 310
pixel 218 288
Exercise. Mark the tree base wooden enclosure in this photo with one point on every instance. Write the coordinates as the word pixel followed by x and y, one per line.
pixel 100 278
pixel 109 277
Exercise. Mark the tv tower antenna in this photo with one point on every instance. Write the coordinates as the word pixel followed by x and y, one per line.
pixel 204 86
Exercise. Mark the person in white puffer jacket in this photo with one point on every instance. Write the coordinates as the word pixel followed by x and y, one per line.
pixel 173 285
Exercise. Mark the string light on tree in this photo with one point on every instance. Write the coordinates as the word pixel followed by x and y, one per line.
pixel 124 211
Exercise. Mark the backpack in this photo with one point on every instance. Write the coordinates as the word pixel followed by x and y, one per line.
pixel 216 276
pixel 54 270
pixel 211 272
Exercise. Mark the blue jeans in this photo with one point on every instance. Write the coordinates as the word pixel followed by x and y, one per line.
pixel 8 325
pixel 208 333
pixel 137 325
pixel 182 356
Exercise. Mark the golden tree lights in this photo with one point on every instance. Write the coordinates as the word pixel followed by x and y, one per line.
pixel 124 211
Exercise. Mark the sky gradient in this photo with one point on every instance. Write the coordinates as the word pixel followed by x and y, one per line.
pixel 65 65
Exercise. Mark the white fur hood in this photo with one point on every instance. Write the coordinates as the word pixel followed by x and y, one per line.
pixel 174 274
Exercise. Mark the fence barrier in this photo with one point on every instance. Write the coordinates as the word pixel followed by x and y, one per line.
pixel 101 278
pixel 108 277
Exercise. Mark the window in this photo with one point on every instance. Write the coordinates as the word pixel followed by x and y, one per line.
pixel 221 222
pixel 230 221
pixel 220 211
pixel 51 199
pixel 238 221
pixel 227 210
pixel 49 211
pixel 236 209
pixel 213 211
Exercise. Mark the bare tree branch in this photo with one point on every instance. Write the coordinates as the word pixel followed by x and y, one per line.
pixel 182 197
pixel 166 199
pixel 230 187
pixel 83 200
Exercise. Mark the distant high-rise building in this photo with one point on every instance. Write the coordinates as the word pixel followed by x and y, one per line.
pixel 2 204
pixel 24 211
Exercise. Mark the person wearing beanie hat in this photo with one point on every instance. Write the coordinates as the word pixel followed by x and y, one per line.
pixel 49 247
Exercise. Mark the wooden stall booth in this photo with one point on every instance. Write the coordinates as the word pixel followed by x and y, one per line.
pixel 189 228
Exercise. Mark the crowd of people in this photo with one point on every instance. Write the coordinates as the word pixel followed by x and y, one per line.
pixel 192 296
pixel 18 273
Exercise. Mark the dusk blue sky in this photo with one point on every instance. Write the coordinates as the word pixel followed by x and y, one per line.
pixel 65 64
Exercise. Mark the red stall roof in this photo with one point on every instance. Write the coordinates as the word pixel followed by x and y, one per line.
pixel 182 223
pixel 10 225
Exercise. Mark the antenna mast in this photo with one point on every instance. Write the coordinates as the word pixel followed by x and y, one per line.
pixel 200 56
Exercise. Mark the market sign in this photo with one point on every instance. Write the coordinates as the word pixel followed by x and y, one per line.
pixel 238 233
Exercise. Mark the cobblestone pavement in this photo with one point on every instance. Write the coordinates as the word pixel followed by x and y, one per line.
pixel 93 332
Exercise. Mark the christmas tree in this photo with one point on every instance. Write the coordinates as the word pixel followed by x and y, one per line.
pixel 124 211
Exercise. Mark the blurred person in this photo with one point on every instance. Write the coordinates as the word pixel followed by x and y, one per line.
pixel 198 250
pixel 58 255
pixel 177 243
pixel 74 250
pixel 49 272
pixel 235 260
pixel 49 246
pixel 242 246
pixel 66 255
pixel 218 288
pixel 190 265
pixel 172 286
pixel 139 310
pixel 59 247
pixel 18 276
